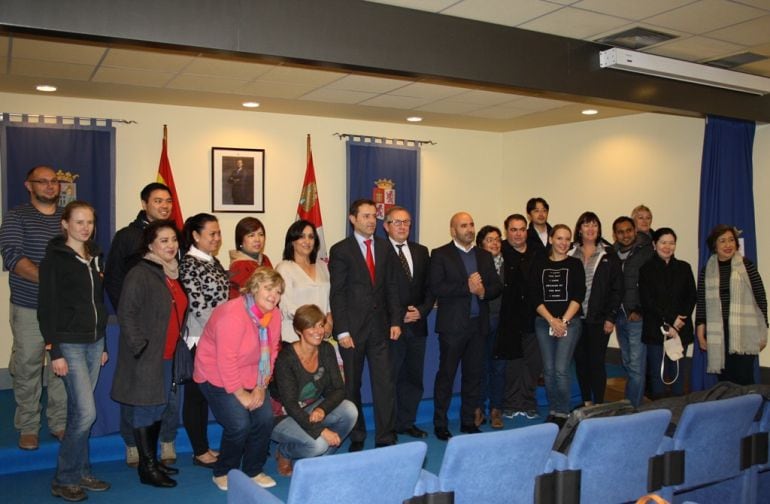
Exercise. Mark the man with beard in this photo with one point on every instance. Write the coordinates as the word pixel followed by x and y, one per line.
pixel 463 279
pixel 24 235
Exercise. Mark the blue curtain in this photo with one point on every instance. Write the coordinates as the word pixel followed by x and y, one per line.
pixel 726 197
pixel 86 150
pixel 369 161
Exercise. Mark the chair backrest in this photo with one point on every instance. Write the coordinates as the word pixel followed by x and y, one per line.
pixel 612 454
pixel 497 466
pixel 711 433
pixel 242 490
pixel 379 476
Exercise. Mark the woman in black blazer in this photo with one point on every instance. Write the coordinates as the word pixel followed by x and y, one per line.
pixel 667 291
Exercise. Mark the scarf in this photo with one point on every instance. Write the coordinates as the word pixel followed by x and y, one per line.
pixel 170 268
pixel 261 324
pixel 746 322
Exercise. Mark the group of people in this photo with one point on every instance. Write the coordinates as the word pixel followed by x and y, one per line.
pixel 279 352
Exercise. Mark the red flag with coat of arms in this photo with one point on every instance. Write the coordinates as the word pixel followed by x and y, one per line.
pixel 309 208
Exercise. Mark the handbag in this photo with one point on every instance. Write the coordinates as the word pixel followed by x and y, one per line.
pixel 673 349
pixel 183 363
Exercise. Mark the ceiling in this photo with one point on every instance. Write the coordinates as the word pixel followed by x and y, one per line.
pixel 704 30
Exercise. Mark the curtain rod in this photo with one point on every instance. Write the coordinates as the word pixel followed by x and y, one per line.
pixel 61 119
pixel 376 139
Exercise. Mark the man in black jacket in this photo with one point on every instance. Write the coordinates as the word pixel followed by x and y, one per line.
pixel 464 279
pixel 124 254
pixel 517 339
pixel 367 315
pixel 408 352
pixel 634 249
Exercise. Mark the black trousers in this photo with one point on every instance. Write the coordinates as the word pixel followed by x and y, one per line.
pixel 521 377
pixel 195 416
pixel 590 356
pixel 407 356
pixel 466 347
pixel 375 348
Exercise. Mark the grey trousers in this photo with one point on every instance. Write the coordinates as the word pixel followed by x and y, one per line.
pixel 27 366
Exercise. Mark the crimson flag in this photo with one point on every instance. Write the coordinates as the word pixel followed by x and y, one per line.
pixel 309 207
pixel 166 177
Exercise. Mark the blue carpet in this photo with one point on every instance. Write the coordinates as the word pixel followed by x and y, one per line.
pixel 25 476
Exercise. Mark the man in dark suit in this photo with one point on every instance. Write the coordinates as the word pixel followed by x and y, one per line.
pixel 408 352
pixel 464 279
pixel 367 315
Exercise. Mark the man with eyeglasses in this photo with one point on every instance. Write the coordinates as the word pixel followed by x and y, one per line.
pixel 407 353
pixel 24 235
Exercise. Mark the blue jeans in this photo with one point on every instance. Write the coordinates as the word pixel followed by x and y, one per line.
pixel 295 443
pixel 633 352
pixel 83 363
pixel 557 357
pixel 145 416
pixel 657 387
pixel 169 420
pixel 494 370
pixel 245 434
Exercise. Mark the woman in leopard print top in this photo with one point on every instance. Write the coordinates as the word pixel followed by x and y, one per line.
pixel 207 285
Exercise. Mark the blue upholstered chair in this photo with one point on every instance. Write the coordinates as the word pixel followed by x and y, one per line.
pixel 380 476
pixel 763 476
pixel 494 467
pixel 710 433
pixel 613 453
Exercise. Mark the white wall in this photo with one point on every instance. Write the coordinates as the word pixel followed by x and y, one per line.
pixel 607 166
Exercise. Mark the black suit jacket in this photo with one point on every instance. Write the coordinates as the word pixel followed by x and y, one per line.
pixel 449 283
pixel 416 293
pixel 357 305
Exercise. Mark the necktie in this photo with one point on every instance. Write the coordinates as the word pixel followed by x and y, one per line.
pixel 404 262
pixel 369 258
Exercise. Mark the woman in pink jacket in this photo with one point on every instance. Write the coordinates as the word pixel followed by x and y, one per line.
pixel 233 365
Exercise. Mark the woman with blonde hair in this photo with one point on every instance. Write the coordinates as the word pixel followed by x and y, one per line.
pixel 73 320
pixel 233 367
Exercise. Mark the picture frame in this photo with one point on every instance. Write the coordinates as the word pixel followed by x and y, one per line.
pixel 237 180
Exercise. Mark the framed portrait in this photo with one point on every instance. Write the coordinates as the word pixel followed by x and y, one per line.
pixel 238 180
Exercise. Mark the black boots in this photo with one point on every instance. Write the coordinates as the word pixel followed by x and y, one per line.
pixel 150 471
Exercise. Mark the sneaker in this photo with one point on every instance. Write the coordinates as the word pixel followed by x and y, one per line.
pixel 531 414
pixel 71 493
pixel 132 456
pixel 511 413
pixel 93 484
pixel 220 482
pixel 167 452
pixel 264 480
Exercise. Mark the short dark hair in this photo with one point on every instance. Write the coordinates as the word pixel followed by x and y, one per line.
pixel 293 234
pixel 584 218
pixel 245 226
pixel 718 231
pixel 195 223
pixel 658 233
pixel 358 204
pixel 306 317
pixel 532 203
pixel 484 231
pixel 150 233
pixel 32 170
pixel 151 188
pixel 623 218
pixel 513 217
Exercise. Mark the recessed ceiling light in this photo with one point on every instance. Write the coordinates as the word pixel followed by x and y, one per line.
pixel 589 111
pixel 414 119
pixel 46 88
pixel 250 104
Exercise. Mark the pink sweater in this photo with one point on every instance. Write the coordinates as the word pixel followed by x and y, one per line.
pixel 228 351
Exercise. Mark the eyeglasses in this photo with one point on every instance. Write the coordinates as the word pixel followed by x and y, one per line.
pixel 405 222
pixel 492 240
pixel 45 182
